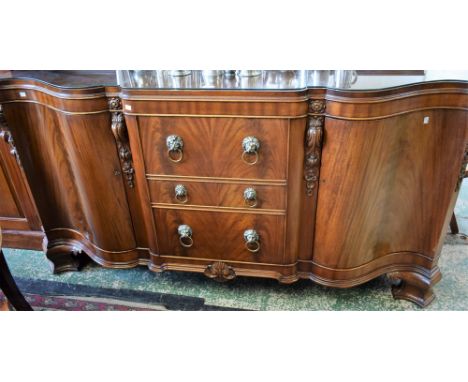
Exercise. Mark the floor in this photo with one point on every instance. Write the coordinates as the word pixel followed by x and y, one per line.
pixel 263 294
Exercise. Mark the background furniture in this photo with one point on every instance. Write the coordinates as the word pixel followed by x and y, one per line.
pixel 453 221
pixel 18 215
pixel 337 186
pixel 8 285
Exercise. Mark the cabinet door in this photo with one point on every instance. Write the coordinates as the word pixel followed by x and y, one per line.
pixel 19 220
pixel 386 189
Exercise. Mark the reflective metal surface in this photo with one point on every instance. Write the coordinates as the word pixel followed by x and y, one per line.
pixel 250 197
pixel 181 193
pixel 230 80
pixel 318 77
pixel 175 146
pixel 179 73
pixel 252 240
pixel 185 235
pixel 250 145
pixel 249 73
pixel 343 79
pixel 212 78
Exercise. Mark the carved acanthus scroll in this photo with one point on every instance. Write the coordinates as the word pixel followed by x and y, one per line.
pixel 5 134
pixel 313 145
pixel 220 271
pixel 462 174
pixel 119 129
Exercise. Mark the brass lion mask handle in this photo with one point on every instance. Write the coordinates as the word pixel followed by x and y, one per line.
pixel 252 240
pixel 181 193
pixel 250 145
pixel 250 197
pixel 185 235
pixel 175 146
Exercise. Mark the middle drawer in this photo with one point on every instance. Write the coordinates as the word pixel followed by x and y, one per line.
pixel 214 194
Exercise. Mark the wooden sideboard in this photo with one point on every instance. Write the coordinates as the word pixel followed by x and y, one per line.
pixel 336 186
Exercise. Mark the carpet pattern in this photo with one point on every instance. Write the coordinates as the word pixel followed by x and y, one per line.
pixel 41 302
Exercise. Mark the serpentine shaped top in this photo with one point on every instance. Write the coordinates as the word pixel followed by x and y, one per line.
pixel 238 80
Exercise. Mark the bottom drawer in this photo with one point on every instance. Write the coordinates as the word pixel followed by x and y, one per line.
pixel 220 235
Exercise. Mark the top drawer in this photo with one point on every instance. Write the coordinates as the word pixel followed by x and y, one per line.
pixel 213 147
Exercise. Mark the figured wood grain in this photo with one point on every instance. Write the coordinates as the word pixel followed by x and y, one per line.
pixel 14 223
pixel 23 238
pixel 218 194
pixel 19 219
pixel 386 185
pixel 71 163
pixel 220 236
pixel 213 146
pixel 391 105
pixel 296 208
pixel 199 107
pixel 8 207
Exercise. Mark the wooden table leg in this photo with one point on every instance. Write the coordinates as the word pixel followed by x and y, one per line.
pixel 4 306
pixel 454 225
pixel 9 287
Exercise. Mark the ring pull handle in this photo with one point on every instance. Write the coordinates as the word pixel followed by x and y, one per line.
pixel 250 145
pixel 175 146
pixel 250 197
pixel 181 193
pixel 185 235
pixel 252 240
pixel 354 77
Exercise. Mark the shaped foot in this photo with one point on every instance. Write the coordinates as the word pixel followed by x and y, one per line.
pixel 64 258
pixel 414 287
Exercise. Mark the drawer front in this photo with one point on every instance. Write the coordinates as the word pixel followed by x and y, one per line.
pixel 213 147
pixel 245 195
pixel 220 235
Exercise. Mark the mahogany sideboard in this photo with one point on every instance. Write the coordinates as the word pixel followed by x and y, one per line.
pixel 334 185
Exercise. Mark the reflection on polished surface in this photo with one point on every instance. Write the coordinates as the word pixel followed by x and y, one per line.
pixel 276 79
pixel 236 79
pixel 214 79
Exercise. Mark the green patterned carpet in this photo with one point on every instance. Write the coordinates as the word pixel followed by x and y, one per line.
pixel 262 294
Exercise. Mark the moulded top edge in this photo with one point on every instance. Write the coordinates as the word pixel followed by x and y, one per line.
pixel 268 82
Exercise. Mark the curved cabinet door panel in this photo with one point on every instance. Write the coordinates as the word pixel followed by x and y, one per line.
pixel 19 221
pixel 385 188
pixel 8 206
pixel 73 168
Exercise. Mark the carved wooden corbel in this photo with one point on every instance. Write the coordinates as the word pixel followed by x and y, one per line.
pixel 119 129
pixel 5 134
pixel 313 145
pixel 220 271
pixel 317 106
